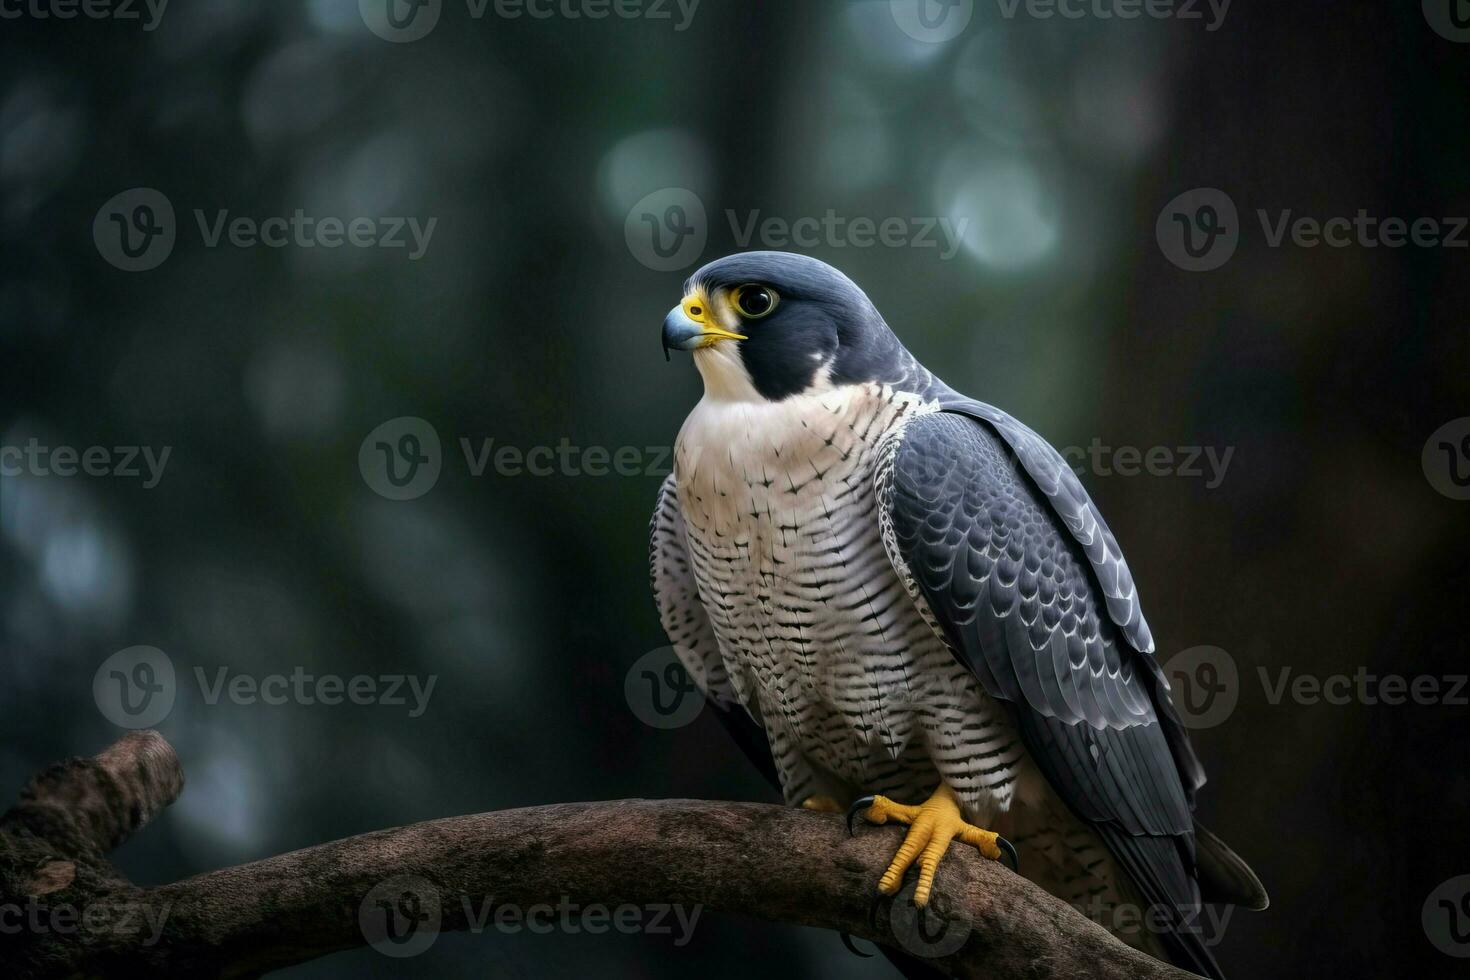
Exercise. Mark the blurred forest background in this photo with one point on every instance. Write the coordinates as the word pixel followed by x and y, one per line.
pixel 529 320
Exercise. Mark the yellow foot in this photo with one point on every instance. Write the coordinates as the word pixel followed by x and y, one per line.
pixel 931 827
pixel 821 804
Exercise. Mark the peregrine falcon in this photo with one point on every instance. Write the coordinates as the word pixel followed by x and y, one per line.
pixel 903 597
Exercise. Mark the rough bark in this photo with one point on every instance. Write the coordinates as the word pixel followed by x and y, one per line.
pixel 751 859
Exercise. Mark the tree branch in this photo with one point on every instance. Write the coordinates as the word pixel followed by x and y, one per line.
pixel 394 888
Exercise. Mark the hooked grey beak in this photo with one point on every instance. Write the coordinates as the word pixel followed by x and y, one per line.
pixel 681 332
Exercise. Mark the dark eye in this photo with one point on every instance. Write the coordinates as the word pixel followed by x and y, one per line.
pixel 754 302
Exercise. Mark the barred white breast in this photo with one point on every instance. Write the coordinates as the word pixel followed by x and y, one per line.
pixel 814 626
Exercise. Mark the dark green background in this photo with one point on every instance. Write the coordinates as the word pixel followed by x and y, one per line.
pixel 529 321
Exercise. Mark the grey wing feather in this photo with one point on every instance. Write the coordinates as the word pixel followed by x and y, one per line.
pixel 1014 588
pixel 1053 476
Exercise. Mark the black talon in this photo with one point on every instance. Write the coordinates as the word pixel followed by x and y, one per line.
pixel 847 941
pixel 1007 849
pixel 922 917
pixel 857 807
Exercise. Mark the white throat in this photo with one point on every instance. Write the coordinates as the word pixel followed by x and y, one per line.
pixel 724 374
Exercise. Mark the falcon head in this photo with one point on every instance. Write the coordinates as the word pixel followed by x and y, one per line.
pixel 764 326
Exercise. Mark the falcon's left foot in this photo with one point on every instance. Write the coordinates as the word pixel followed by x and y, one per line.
pixel 821 804
pixel 931 827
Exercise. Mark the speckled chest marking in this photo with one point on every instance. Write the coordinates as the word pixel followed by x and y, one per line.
pixel 816 630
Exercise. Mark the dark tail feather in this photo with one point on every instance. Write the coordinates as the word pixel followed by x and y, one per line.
pixel 1158 871
pixel 751 738
pixel 1224 877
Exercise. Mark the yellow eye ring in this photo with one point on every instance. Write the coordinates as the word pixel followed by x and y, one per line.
pixel 754 301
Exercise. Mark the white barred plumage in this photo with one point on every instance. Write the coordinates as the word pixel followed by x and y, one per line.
pixel 774 513
pixel 889 588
